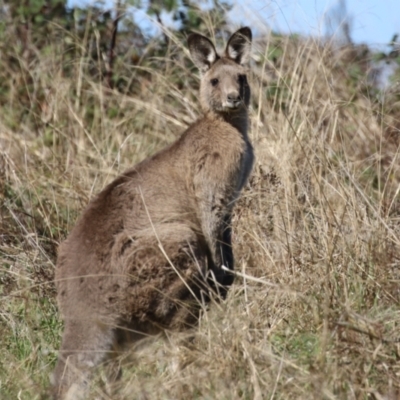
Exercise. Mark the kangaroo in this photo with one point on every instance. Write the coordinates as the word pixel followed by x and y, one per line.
pixel 151 248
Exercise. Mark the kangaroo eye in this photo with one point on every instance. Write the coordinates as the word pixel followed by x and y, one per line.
pixel 214 82
pixel 242 78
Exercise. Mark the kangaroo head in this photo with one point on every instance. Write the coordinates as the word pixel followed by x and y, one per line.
pixel 224 86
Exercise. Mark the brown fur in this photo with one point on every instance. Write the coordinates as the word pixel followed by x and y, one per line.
pixel 149 248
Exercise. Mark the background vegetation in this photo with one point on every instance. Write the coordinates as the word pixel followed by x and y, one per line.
pixel 314 312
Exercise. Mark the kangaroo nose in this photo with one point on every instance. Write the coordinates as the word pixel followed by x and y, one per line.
pixel 233 100
pixel 233 97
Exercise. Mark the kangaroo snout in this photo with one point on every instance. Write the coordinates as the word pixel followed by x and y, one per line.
pixel 233 100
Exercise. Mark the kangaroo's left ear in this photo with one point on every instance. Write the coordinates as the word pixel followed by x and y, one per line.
pixel 202 51
pixel 239 46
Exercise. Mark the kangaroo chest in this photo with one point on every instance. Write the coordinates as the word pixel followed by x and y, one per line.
pixel 247 161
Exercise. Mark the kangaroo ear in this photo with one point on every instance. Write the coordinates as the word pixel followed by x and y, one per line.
pixel 202 51
pixel 239 46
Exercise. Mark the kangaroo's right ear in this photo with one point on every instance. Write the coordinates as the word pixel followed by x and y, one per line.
pixel 239 46
pixel 202 51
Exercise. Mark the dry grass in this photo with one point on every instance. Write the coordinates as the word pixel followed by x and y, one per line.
pixel 314 312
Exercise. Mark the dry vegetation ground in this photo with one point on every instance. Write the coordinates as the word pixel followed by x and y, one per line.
pixel 314 312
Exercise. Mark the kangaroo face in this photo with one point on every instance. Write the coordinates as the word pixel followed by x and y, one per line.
pixel 224 86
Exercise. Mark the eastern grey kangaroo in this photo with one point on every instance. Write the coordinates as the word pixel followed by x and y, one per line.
pixel 150 248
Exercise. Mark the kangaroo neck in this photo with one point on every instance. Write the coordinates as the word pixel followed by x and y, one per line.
pixel 238 119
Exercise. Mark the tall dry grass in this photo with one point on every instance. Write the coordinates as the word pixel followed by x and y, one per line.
pixel 314 312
